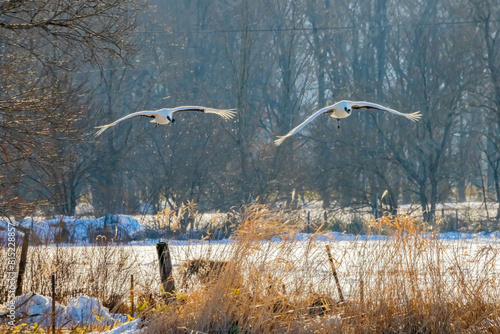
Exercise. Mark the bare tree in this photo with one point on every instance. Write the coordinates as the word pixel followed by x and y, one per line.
pixel 433 76
pixel 43 43
pixel 487 93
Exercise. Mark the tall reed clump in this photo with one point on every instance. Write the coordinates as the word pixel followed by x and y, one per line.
pixel 417 283
pixel 272 282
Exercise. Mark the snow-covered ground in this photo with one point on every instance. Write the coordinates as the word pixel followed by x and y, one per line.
pixel 300 265
pixel 352 253
pixel 79 230
pixel 348 250
pixel 82 310
pixel 131 327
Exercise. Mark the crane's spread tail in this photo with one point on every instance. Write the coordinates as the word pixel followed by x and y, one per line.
pixel 102 128
pixel 227 114
pixel 280 140
pixel 414 116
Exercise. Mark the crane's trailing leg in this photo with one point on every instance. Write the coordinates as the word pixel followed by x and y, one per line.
pixel 338 123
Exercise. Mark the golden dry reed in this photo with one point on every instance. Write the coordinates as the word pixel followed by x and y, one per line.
pixel 274 281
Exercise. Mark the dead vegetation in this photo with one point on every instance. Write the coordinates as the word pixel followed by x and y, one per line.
pixel 409 283
pixel 268 281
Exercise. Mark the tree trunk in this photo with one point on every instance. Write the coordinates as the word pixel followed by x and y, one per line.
pixel 381 13
pixel 424 203
pixel 325 197
pixel 497 190
pixel 434 199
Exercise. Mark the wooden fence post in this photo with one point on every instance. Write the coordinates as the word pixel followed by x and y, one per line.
pixel 132 295
pixel 362 291
pixel 22 261
pixel 53 304
pixel 334 271
pixel 308 220
pixel 167 280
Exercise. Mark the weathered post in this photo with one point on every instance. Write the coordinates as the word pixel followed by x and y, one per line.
pixel 334 271
pixel 132 295
pixel 22 261
pixel 362 291
pixel 53 304
pixel 191 227
pixel 167 280
pixel 308 220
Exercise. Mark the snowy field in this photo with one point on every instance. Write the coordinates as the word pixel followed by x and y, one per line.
pixel 300 263
pixel 352 254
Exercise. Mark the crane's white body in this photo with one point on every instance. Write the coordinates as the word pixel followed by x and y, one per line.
pixel 162 116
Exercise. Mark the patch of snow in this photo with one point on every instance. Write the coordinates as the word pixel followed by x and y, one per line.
pixel 88 310
pixel 337 236
pixel 82 310
pixel 332 236
pixel 130 327
pixel 80 229
pixel 32 308
pixel 83 209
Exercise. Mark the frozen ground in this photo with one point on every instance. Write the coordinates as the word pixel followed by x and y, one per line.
pixel 130 327
pixel 300 265
pixel 352 254
pixel 78 230
pixel 82 310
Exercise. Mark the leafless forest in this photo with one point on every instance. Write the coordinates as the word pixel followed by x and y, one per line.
pixel 69 66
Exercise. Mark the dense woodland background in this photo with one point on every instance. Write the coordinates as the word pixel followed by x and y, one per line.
pixel 68 66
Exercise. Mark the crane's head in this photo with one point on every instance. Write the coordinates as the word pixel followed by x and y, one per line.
pixel 347 107
pixel 170 115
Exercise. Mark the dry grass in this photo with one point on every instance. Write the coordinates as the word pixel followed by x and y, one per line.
pixel 405 284
pixel 102 271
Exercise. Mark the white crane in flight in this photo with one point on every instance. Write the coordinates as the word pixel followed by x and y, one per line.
pixel 343 109
pixel 166 115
